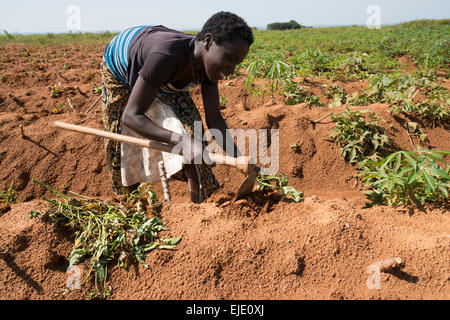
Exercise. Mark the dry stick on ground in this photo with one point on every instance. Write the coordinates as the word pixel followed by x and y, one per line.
pixel 6 101
pixel 410 140
pixel 93 104
pixel 59 73
pixel 12 97
pixel 162 173
pixel 70 104
pixel 326 116
pixel 318 120
pixel 21 132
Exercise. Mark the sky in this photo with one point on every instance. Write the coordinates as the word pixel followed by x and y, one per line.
pixel 45 16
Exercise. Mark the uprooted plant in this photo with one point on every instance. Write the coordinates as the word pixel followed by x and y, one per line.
pixel 107 231
pixel 281 185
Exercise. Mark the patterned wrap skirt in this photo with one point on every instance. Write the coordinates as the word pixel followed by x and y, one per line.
pixel 129 164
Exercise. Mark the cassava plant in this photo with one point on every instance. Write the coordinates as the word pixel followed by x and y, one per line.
pixel 406 177
pixel 358 137
pixel 296 94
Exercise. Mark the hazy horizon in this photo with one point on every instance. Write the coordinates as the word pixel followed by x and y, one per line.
pixel 46 16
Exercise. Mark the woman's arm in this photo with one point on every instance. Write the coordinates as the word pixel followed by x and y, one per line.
pixel 141 98
pixel 214 119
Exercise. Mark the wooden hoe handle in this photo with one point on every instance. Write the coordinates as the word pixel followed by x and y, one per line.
pixel 242 163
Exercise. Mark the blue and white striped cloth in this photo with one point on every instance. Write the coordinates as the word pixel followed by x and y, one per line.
pixel 116 52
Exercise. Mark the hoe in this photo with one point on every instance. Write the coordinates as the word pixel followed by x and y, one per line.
pixel 243 164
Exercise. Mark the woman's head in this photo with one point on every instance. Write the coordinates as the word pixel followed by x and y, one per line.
pixel 226 39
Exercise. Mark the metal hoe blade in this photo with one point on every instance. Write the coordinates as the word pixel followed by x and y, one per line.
pixel 247 185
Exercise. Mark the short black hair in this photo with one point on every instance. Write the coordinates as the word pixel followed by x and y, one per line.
pixel 226 26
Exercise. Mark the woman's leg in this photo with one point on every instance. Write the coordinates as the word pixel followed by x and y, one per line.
pixel 115 97
pixel 202 182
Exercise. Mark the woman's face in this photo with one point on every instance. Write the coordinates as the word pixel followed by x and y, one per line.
pixel 220 60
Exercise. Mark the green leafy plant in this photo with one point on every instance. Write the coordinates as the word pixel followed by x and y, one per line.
pixel 56 92
pixel 223 100
pixel 58 109
pixel 318 60
pixel 337 93
pixel 432 112
pixel 359 137
pixel 414 130
pixel 388 88
pixel 271 68
pixel 97 90
pixel 107 231
pixel 296 148
pixel 9 196
pixel 281 184
pixel 404 177
pixel 296 94
pixel 356 67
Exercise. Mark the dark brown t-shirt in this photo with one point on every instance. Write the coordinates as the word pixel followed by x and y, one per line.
pixel 157 54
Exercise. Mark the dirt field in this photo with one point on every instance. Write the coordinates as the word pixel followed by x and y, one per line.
pixel 317 249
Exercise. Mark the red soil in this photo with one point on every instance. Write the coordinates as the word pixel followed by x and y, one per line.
pixel 317 249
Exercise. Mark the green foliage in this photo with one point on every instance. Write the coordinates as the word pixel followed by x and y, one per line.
pixel 97 90
pixel 399 90
pixel 317 60
pixel 56 39
pixel 56 92
pixel 296 94
pixel 284 25
pixel 9 196
pixel 432 111
pixel 359 138
pixel 7 35
pixel 271 68
pixel 385 89
pixel 281 184
pixel 414 129
pixel 107 231
pixel 356 67
pixel 404 177
pixel 223 100
pixel 58 109
pixel 337 93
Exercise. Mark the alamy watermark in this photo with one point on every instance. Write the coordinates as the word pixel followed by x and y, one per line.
pixel 258 142
pixel 374 19
pixel 374 281
pixel 73 21
pixel 74 280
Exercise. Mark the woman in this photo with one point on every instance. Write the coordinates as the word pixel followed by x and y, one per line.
pixel 146 74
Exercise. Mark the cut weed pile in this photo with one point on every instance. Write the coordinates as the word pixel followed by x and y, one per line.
pixel 108 231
